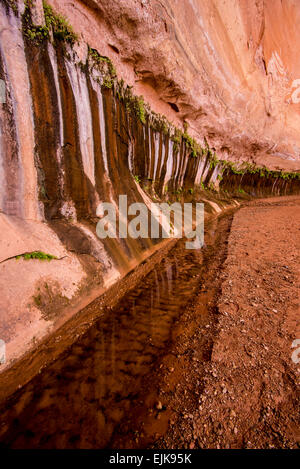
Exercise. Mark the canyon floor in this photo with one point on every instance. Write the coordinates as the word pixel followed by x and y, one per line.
pixel 246 393
pixel 196 355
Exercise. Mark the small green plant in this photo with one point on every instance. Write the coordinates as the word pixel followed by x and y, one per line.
pixel 107 83
pixel 42 256
pixel 137 179
pixel 62 30
pixel 106 68
pixel 161 124
pixel 213 161
pixel 38 300
pixel 58 24
pixel 138 107
pixel 211 187
pixel 102 63
pixel 191 191
pixel 13 4
pixel 176 138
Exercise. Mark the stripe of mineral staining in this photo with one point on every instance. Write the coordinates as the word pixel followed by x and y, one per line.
pixel 148 167
pixel 160 157
pixel 274 185
pixel 169 166
pixel 78 186
pixel 215 174
pixel 97 88
pixel 184 166
pixel 12 49
pixel 130 156
pixel 161 153
pixel 103 184
pixel 67 209
pixel 200 171
pixel 157 137
pixel 47 127
pixel 10 168
pixel 80 91
pixel 53 59
pixel 180 157
pixel 206 169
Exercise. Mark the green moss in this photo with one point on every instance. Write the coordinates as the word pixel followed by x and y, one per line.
pixel 159 123
pixel 11 4
pixel 262 172
pixel 107 83
pixel 191 144
pixel 42 256
pixel 101 63
pixel 176 138
pixel 58 24
pixel 213 160
pixel 179 191
pixel 61 28
pixel 211 186
pixel 138 106
pixel 38 300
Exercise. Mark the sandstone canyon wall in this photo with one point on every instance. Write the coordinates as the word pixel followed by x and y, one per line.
pixel 160 100
pixel 231 68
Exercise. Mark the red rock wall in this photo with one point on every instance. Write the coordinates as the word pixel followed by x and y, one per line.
pixel 67 141
pixel 230 67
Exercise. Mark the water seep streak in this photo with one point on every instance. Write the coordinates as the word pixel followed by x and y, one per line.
pixel 97 89
pixel 13 51
pixel 84 116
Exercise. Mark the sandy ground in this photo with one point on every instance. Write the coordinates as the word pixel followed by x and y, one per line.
pixel 246 395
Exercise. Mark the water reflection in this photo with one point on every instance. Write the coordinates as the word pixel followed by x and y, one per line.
pixel 79 400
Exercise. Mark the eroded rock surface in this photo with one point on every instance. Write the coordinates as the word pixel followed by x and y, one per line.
pixel 230 68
